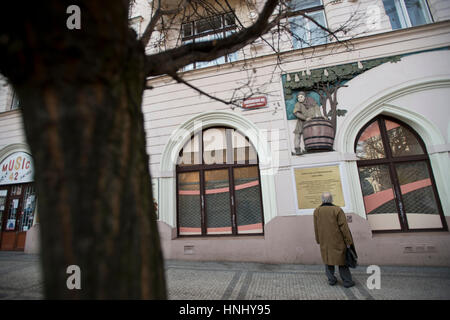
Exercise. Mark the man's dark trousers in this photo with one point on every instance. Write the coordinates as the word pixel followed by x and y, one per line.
pixel 344 272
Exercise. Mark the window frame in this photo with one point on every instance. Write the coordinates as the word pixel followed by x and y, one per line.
pixel 391 161
pixel 15 102
pixel 404 18
pixel 222 31
pixel 308 11
pixel 201 169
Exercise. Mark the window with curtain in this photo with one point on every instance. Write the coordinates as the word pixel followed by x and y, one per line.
pixel 218 185
pixel 407 13
pixel 396 178
pixel 306 33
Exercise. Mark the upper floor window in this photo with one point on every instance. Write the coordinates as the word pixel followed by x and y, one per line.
pixel 211 28
pixel 136 24
pixel 14 101
pixel 407 13
pixel 306 33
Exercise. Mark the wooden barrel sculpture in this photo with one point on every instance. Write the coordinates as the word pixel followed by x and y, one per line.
pixel 318 135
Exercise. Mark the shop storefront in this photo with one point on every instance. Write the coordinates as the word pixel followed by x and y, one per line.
pixel 17 200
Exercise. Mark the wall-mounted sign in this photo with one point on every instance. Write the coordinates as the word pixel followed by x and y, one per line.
pixel 312 182
pixel 16 168
pixel 255 102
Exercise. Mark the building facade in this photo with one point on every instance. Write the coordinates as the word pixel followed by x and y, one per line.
pixel 240 183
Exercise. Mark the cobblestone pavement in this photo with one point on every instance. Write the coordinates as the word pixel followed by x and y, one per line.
pixel 189 280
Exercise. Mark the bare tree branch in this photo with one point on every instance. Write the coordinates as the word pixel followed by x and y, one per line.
pixel 270 21
pixel 173 59
pixel 154 20
pixel 178 79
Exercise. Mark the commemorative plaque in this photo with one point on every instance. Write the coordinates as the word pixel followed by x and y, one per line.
pixel 312 182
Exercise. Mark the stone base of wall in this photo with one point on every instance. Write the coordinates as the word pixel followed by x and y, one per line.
pixel 290 239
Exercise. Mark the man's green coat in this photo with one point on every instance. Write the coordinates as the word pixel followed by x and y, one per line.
pixel 332 234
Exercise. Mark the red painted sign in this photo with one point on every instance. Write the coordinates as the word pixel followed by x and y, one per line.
pixel 255 102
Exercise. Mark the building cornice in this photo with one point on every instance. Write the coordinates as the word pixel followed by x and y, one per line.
pixel 325 49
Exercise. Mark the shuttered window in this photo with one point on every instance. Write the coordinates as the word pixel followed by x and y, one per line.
pixel 396 179
pixel 218 185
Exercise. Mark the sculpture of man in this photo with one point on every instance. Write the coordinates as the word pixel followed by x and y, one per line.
pixel 305 109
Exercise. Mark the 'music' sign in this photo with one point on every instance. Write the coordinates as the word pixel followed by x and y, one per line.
pixel 16 168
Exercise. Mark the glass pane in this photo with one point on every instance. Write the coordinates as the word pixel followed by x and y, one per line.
pixel 189 209
pixel 243 151
pixel 417 12
pixel 15 102
pixel 190 66
pixel 306 33
pixel 215 146
pixel 204 64
pixel 248 200
pixel 395 13
pixel 13 214
pixel 378 195
pixel 370 145
pixel 220 60
pixel 190 153
pixel 3 196
pixel 295 5
pixel 16 190
pixel 208 24
pixel 217 198
pixel 401 140
pixel 186 30
pixel 418 196
pixel 317 35
pixel 232 56
pixel 298 26
pixel 229 19
pixel 26 220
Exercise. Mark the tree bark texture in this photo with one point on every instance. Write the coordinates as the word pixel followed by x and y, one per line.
pixel 81 94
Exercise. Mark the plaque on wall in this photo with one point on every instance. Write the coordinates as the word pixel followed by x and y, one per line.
pixel 310 183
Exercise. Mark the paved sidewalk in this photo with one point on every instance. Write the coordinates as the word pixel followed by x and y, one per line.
pixel 20 279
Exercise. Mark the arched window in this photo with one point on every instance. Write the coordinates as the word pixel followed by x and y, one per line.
pixel 218 185
pixel 396 178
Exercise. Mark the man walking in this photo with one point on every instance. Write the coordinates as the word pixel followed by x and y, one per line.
pixel 333 236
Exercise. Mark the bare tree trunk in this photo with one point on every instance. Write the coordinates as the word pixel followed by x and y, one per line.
pixel 81 96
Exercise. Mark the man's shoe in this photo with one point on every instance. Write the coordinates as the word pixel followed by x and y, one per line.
pixel 349 285
pixel 332 283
